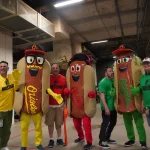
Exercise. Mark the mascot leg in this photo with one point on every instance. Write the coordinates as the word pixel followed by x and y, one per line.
pixel 127 117
pixel 78 126
pixel 37 119
pixel 87 128
pixel 25 121
pixel 138 118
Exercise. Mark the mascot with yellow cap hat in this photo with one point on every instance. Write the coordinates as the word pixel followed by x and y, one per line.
pixel 127 72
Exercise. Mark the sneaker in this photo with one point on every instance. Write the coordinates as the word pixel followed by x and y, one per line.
pixel 143 146
pixel 88 146
pixel 60 142
pixel 51 144
pixel 23 148
pixel 129 143
pixel 78 140
pixel 40 147
pixel 4 148
pixel 110 141
pixel 104 145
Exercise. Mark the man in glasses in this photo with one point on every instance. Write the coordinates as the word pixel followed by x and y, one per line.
pixel 8 84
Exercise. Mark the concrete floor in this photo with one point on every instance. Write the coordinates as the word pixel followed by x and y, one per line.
pixel 119 134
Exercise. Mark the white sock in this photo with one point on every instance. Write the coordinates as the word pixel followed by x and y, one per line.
pixel 59 138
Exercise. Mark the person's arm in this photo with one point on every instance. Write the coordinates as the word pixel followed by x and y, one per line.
pixel 16 75
pixel 102 96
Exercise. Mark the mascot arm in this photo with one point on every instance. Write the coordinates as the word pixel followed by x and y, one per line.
pixel 57 97
pixel 135 90
pixel 16 75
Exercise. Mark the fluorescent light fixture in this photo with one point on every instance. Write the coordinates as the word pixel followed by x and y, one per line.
pixel 104 41
pixel 69 2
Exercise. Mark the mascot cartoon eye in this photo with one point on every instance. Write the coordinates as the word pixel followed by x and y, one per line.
pixel 72 68
pixel 30 59
pixel 118 61
pixel 126 59
pixel 40 60
pixel 78 68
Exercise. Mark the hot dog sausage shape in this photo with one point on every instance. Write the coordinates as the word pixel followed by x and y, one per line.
pixel 34 80
pixel 127 73
pixel 80 80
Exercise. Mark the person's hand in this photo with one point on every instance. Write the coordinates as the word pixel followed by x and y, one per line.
pixel 107 111
pixel 91 94
pixel 16 74
pixel 112 92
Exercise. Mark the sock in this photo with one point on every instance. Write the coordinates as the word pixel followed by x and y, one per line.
pixel 59 138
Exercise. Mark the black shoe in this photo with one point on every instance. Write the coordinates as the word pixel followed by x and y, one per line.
pixel 23 148
pixel 78 140
pixel 129 143
pixel 60 142
pixel 110 141
pixel 40 147
pixel 143 146
pixel 51 144
pixel 88 146
pixel 104 145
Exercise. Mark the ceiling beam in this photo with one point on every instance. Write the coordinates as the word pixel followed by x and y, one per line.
pixel 104 16
pixel 119 17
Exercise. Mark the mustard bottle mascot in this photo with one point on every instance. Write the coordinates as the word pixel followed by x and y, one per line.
pixel 127 73
pixel 81 103
pixel 32 99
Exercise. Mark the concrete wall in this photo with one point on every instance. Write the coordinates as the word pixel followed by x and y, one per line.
pixel 6 49
pixel 60 49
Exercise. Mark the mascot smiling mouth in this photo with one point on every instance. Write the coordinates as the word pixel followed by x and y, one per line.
pixel 122 69
pixel 33 71
pixel 75 78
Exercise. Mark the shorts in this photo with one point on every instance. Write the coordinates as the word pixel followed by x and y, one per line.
pixel 54 115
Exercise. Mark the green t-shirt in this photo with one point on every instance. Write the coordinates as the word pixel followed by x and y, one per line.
pixel 145 87
pixel 105 86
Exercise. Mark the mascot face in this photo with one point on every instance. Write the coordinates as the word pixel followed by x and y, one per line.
pixel 123 61
pixel 76 70
pixel 34 61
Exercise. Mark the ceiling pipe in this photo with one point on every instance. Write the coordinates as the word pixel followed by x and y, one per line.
pixel 119 17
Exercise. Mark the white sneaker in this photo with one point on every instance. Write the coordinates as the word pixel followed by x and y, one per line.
pixel 4 148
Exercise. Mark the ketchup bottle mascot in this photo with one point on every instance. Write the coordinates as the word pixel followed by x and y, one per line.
pixel 127 72
pixel 32 100
pixel 81 103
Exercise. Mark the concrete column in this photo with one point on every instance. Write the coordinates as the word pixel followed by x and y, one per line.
pixel 6 52
pixel 76 46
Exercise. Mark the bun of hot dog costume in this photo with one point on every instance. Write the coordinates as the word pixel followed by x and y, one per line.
pixel 80 81
pixel 81 103
pixel 32 99
pixel 127 72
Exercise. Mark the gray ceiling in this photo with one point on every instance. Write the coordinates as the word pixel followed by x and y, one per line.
pixel 118 21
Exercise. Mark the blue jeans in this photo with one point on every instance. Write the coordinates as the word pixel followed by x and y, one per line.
pixel 148 117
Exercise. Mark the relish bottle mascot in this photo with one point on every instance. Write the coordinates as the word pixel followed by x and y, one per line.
pixel 144 87
pixel 127 72
pixel 32 100
pixel 81 103
pixel 8 85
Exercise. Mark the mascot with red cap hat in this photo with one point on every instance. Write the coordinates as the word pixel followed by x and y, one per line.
pixel 32 99
pixel 81 102
pixel 127 72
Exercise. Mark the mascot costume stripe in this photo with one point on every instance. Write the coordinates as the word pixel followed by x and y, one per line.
pixel 127 72
pixel 81 103
pixel 32 100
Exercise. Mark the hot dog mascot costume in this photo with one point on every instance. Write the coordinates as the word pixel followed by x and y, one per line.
pixel 31 101
pixel 81 103
pixel 127 72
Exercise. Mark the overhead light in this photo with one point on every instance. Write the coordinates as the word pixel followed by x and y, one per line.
pixel 69 2
pixel 104 41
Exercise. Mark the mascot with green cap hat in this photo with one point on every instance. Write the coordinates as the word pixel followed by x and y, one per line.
pixel 127 72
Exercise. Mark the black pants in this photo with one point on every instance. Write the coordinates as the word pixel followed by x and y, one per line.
pixel 107 126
